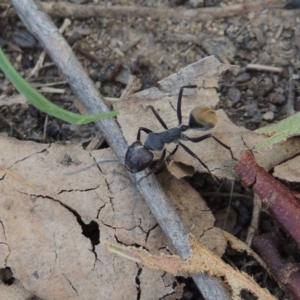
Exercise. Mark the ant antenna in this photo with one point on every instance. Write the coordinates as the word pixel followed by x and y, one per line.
pixel 90 166
pixel 135 201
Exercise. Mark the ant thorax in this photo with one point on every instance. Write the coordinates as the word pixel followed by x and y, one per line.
pixel 156 141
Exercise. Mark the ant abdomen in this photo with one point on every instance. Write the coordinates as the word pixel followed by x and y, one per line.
pixel 202 118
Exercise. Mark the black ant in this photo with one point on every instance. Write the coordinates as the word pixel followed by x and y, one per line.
pixel 138 156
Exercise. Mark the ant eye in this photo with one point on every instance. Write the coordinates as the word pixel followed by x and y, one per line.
pixel 202 118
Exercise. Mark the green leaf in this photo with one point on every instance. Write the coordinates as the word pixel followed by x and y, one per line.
pixel 43 104
pixel 281 131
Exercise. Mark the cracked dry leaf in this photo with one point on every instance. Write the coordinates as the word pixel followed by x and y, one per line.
pixel 205 74
pixel 200 260
pixel 44 215
pixel 14 292
pixel 188 203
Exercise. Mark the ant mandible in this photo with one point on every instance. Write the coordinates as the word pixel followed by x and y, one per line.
pixel 138 156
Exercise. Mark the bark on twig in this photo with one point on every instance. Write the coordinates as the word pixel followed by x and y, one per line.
pixel 67 10
pixel 275 196
pixel 286 272
pixel 60 52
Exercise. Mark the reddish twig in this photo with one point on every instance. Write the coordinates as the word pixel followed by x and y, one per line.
pixel 283 270
pixel 276 197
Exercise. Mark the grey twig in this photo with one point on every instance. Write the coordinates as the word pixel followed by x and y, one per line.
pixel 68 10
pixel 46 32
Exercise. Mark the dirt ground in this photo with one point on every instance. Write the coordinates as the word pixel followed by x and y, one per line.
pixel 153 48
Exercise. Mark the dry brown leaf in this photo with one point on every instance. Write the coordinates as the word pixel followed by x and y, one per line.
pixel 194 212
pixel 189 205
pixel 289 171
pixel 42 241
pixel 14 292
pixel 200 260
pixel 205 74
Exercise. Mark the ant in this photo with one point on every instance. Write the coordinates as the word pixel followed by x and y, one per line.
pixel 138 156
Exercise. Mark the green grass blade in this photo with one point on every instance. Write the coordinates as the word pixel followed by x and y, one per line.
pixel 280 131
pixel 43 104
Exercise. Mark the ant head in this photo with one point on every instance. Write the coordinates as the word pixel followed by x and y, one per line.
pixel 138 158
pixel 202 118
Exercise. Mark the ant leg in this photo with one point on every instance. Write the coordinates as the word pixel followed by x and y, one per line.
pixel 179 116
pixel 190 152
pixel 209 135
pixel 172 153
pixel 157 166
pixel 158 117
pixel 138 138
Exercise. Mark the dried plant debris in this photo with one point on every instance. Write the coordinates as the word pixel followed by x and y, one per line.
pixel 50 220
pixel 240 246
pixel 200 260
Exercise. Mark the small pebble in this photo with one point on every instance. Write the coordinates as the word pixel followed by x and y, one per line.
pixel 268 116
pixel 234 94
pixel 272 108
pixel 276 98
pixel 243 77
pixel 18 58
pixel 209 3
pixel 287 34
pixel 252 111
pixel 74 38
